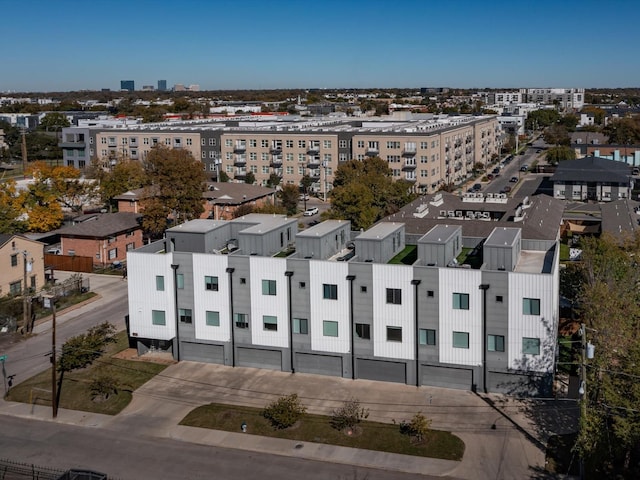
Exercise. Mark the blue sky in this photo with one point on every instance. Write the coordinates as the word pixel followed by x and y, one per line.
pixel 252 44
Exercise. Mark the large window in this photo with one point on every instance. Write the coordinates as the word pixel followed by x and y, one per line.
pixel 461 301
pixel 186 315
pixel 460 340
pixel 495 343
pixel 394 334
pixel 427 336
pixel 394 295
pixel 531 306
pixel 212 319
pixel 211 283
pixel 270 322
pixel 160 283
pixel 329 291
pixel 14 260
pixel 268 287
pixel 15 288
pixel 363 330
pixel 531 346
pixel 180 281
pixel 301 326
pixel 158 317
pixel 241 320
pixel 329 328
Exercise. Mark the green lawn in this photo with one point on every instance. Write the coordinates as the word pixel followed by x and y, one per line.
pixel 316 428
pixel 407 256
pixel 76 393
pixel 564 252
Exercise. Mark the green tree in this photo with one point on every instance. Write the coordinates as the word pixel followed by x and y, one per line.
pixel 175 183
pixel 364 192
pixel 289 198
pixel 250 178
pixel 124 176
pixel 539 119
pixel 560 153
pixel 53 121
pixel 557 135
pixel 223 177
pixel 570 121
pixel 274 180
pixel 305 183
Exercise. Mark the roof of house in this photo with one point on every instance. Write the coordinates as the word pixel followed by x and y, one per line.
pixel 5 237
pixel 620 218
pixel 592 169
pixel 221 193
pixel 103 225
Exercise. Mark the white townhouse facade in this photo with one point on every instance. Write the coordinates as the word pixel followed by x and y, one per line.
pixel 428 151
pixel 256 292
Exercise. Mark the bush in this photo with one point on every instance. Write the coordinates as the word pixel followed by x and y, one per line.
pixel 349 415
pixel 285 411
pixel 418 427
pixel 103 386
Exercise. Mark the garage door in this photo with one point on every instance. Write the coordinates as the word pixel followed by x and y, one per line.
pixel 201 352
pixel 447 377
pixel 381 370
pixel 254 357
pixel 319 364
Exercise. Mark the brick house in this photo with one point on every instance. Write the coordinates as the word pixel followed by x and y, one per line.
pixel 220 201
pixel 105 237
pixel 20 255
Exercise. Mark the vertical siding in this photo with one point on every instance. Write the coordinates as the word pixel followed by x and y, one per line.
pixel 460 280
pixel 142 269
pixel 335 310
pixel 206 300
pixel 265 268
pixel 391 315
pixel 527 285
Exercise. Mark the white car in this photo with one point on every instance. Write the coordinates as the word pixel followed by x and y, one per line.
pixel 310 211
pixel 303 197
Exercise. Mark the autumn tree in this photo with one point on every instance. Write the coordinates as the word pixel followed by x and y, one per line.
pixel 557 135
pixel 124 176
pixel 10 208
pixel 364 192
pixel 175 182
pixel 624 131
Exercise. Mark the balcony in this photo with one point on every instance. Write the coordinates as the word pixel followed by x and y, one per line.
pixel 372 151
pixel 240 161
pixel 278 171
pixel 315 174
pixel 314 162
pixel 410 177
pixel 313 149
pixel 409 165
pixel 69 145
pixel 240 147
pixel 276 149
pixel 240 173
pixel 409 151
pixel 276 161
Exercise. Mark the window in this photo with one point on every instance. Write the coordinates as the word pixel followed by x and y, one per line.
pixel 253 142
pixel 394 334
pixel 531 346
pixel 394 295
pixel 180 281
pixel 363 289
pixel 228 142
pixel 212 319
pixel 531 306
pixel 342 143
pixel 241 320
pixel 363 330
pixel 270 322
pixel 429 293
pixel 329 328
pixel 302 285
pixel 211 283
pixel 360 143
pixel 461 301
pixel 427 336
pixel 495 343
pixel 264 143
pixel 113 254
pixel 289 143
pixel 499 298
pixel 301 326
pixel 460 340
pixel 268 287
pixel 160 283
pixel 329 291
pixel 157 317
pixel 326 143
pixel 14 260
pixel 243 281
pixel 186 315
pixel 15 288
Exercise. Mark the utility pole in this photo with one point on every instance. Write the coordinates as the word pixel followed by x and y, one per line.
pixel 24 154
pixel 25 301
pixel 50 302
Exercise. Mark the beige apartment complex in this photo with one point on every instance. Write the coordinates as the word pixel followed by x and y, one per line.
pixel 428 151
pixel 21 259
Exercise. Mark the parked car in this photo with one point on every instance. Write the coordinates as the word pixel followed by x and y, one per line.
pixel 524 168
pixel 505 189
pixel 310 211
pixel 514 180
pixel 476 187
pixel 490 176
pixel 54 251
pixel 496 171
pixel 303 197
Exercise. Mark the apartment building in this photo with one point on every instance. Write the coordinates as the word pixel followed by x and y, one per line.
pixel 21 264
pixel 427 152
pixel 255 292
pixel 566 98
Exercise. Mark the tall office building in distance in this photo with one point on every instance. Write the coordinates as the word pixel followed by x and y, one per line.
pixel 128 85
pixel 162 85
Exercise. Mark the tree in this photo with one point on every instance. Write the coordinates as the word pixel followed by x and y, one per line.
pixel 175 183
pixel 250 178
pixel 570 121
pixel 598 113
pixel 364 192
pixel 289 198
pixel 124 176
pixel 418 427
pixel 609 304
pixel 53 121
pixel 624 131
pixel 305 183
pixel 10 208
pixel 557 135
pixel 539 119
pixel 82 350
pixel 223 177
pixel 274 180
pixel 559 154
pixel 349 415
pixel 285 411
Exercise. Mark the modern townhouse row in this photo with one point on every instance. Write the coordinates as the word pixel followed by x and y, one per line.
pixel 255 292
pixel 427 152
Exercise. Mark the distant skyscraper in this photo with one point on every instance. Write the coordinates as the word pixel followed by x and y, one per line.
pixel 162 85
pixel 127 85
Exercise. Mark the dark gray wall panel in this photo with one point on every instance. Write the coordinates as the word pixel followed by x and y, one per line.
pixel 447 377
pixel 381 370
pixel 201 352
pixel 257 358
pixel 319 364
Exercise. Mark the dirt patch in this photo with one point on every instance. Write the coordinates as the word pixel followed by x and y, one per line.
pixel 151 357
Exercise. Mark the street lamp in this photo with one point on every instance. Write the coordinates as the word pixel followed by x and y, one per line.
pixel 50 302
pixel 27 268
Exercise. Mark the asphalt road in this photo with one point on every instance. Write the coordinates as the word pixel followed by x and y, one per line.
pixel 127 456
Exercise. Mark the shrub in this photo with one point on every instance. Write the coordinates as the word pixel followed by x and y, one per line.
pixel 349 415
pixel 103 386
pixel 418 427
pixel 285 411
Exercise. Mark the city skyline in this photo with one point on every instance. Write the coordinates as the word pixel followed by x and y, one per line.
pixel 251 44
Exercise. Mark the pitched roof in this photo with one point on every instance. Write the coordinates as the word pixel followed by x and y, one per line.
pixel 620 218
pixel 223 193
pixel 103 225
pixel 592 169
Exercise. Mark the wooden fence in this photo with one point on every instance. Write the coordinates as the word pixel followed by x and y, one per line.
pixel 69 263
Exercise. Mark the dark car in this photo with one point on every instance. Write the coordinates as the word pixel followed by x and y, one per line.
pixel 514 179
pixel 476 187
pixel 495 171
pixel 524 168
pixel 505 189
